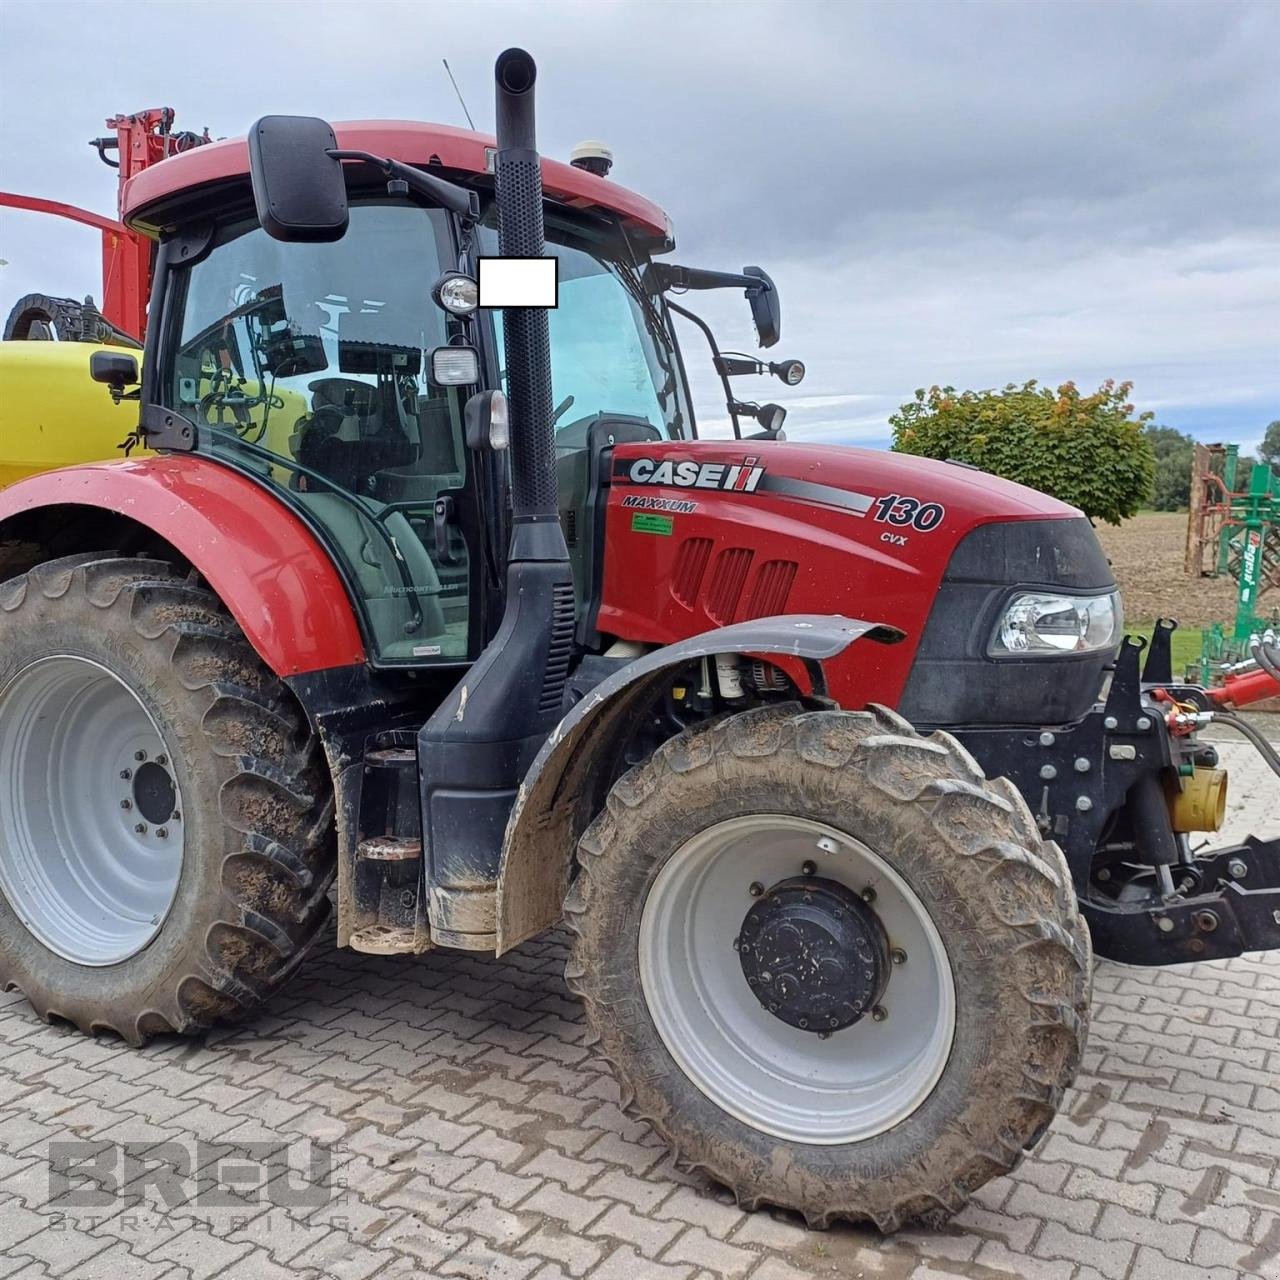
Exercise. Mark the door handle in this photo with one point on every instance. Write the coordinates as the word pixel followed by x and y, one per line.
pixel 441 520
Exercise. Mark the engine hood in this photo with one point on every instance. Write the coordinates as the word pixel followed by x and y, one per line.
pixel 701 534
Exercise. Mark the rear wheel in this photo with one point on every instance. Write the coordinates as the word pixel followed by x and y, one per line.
pixel 166 839
pixel 834 966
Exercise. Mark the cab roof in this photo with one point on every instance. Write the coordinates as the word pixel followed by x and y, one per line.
pixel 146 194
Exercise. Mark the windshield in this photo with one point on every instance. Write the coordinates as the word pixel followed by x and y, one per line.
pixel 611 348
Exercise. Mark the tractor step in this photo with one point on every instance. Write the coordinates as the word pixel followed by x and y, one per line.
pixel 390 849
pixel 387 867
pixel 385 940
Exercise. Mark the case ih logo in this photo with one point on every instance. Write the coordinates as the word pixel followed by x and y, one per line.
pixel 740 477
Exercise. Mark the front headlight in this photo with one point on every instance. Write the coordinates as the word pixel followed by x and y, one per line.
pixel 1042 622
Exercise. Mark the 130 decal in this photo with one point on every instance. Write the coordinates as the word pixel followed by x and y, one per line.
pixel 898 509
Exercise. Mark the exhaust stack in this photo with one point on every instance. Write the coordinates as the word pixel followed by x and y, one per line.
pixel 528 351
pixel 474 751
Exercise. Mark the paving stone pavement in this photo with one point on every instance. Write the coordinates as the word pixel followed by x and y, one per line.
pixel 390 1119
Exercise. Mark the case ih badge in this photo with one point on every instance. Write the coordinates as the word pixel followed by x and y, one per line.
pixel 740 477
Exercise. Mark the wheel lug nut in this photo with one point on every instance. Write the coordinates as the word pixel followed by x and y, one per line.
pixel 139 756
pixel 126 774
pixel 162 832
pixel 879 1013
pixel 756 889
pixel 141 828
pixel 162 759
pixel 898 956
pixel 809 869
pixel 126 804
pixel 868 894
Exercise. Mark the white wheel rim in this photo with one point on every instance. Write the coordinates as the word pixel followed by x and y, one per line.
pixel 778 1079
pixel 91 824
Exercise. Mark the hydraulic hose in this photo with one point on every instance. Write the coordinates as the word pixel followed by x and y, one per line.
pixel 1240 725
pixel 1263 651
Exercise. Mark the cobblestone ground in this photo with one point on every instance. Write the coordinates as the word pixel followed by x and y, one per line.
pixel 461 1128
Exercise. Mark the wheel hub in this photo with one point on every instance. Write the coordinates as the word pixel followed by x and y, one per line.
pixel 814 954
pixel 154 795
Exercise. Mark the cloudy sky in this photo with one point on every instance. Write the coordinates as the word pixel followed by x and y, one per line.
pixel 964 193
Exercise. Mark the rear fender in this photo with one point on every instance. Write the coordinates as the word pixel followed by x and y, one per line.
pixel 261 560
pixel 557 798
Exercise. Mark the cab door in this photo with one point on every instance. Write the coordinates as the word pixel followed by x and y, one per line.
pixel 308 366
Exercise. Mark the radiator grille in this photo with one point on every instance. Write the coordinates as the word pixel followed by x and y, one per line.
pixel 771 590
pixel 691 564
pixel 727 580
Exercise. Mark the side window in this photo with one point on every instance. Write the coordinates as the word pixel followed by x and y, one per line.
pixel 308 364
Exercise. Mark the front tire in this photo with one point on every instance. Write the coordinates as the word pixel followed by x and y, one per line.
pixel 948 1060
pixel 166 819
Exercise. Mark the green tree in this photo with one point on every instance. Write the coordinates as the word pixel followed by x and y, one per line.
pixel 1088 450
pixel 1269 450
pixel 1173 451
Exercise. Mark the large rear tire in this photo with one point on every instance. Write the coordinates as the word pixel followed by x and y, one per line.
pixel 696 950
pixel 166 819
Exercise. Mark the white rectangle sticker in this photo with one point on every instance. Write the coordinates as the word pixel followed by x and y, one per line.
pixel 519 282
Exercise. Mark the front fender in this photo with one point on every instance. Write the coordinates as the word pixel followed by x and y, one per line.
pixel 256 555
pixel 553 806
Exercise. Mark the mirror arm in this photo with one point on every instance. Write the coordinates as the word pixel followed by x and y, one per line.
pixel 716 358
pixel 736 366
pixel 440 191
pixel 670 276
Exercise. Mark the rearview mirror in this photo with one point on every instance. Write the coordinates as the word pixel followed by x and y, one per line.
pixel 298 188
pixel 766 307
pixel 116 368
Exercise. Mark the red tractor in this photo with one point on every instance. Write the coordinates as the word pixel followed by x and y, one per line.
pixel 834 761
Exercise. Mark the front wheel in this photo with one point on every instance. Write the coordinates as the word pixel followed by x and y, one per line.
pixel 832 964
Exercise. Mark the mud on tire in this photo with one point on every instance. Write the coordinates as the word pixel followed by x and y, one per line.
pixel 1000 898
pixel 259 852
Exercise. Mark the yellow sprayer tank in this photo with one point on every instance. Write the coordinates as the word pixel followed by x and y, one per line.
pixel 52 414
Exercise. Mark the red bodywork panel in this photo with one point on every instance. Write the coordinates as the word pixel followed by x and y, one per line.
pixel 404 140
pixel 260 559
pixel 792 528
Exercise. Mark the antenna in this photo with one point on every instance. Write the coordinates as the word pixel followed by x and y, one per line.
pixel 458 91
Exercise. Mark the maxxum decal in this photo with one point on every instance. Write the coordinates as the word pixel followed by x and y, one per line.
pixel 651 502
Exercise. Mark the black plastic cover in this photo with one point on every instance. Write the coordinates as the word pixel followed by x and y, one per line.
pixel 955 682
